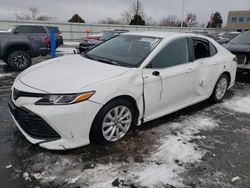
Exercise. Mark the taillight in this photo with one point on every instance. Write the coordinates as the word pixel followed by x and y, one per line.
pixel 46 41
pixel 235 59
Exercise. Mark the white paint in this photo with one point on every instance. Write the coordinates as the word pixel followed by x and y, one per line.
pixel 177 87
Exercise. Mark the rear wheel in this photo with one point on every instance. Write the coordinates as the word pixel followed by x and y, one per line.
pixel 19 60
pixel 220 88
pixel 113 122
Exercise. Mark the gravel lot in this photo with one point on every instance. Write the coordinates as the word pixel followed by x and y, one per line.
pixel 205 145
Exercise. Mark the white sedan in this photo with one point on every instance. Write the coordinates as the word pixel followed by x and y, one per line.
pixel 97 97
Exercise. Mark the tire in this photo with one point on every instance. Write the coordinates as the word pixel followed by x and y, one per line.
pixel 220 88
pixel 19 60
pixel 107 123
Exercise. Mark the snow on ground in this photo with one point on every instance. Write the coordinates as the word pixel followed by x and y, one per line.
pixel 71 44
pixel 162 166
pixel 65 50
pixel 2 63
pixel 5 75
pixel 239 104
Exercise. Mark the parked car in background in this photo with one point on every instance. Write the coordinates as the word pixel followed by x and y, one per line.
pixel 95 36
pixel 226 37
pixel 21 43
pixel 130 79
pixel 59 38
pixel 90 43
pixel 240 46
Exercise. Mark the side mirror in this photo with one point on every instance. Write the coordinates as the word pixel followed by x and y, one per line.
pixel 16 32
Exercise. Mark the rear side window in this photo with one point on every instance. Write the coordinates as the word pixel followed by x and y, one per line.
pixel 175 53
pixel 201 49
pixel 213 50
pixel 30 29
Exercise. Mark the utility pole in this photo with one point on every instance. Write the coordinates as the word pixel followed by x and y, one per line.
pixel 182 12
pixel 137 7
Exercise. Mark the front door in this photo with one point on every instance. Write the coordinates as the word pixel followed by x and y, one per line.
pixel 169 80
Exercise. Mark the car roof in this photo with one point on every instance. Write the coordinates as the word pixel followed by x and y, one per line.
pixel 163 34
pixel 36 25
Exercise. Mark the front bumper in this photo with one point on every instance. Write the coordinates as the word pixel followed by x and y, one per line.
pixel 65 126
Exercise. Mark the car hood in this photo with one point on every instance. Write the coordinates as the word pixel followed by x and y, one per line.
pixel 237 47
pixel 91 42
pixel 68 74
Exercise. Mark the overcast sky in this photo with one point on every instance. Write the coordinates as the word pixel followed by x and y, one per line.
pixel 94 10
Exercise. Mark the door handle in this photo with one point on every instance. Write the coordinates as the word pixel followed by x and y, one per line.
pixel 156 73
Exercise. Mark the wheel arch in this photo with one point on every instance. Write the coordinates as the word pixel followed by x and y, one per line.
pixel 20 46
pixel 128 98
pixel 228 76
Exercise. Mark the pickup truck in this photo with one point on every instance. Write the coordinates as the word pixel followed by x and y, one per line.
pixel 21 43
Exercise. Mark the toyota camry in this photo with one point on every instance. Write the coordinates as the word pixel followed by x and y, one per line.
pixel 97 97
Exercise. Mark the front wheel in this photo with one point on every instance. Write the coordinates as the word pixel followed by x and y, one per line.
pixel 113 122
pixel 220 88
pixel 19 60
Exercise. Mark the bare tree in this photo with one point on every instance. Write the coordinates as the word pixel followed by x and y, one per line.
pixel 191 20
pixel 33 14
pixel 171 20
pixel 135 9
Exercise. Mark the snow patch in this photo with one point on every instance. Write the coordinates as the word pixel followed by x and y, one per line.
pixel 71 44
pixel 8 166
pixel 26 176
pixel 160 167
pixel 239 104
pixel 5 75
pixel 65 50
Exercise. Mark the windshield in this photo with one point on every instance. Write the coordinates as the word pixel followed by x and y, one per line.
pixel 229 35
pixel 124 50
pixel 108 35
pixel 243 38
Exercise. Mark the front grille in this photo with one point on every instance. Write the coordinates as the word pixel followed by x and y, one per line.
pixel 32 124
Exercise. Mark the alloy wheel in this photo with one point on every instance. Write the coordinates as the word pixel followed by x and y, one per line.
pixel 116 123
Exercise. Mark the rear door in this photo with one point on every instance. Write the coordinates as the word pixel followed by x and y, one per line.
pixel 36 35
pixel 205 56
pixel 169 80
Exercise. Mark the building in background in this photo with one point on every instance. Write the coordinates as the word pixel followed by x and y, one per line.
pixel 239 20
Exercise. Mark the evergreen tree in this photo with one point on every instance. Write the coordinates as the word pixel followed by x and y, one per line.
pixel 137 20
pixel 77 19
pixel 215 21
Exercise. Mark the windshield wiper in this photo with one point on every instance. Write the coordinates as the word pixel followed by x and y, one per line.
pixel 108 61
pixel 87 56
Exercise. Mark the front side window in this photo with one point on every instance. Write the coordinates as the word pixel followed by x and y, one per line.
pixel 124 50
pixel 213 49
pixel 175 53
pixel 30 29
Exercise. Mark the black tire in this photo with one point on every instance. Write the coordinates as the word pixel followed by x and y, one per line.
pixel 96 133
pixel 218 98
pixel 19 60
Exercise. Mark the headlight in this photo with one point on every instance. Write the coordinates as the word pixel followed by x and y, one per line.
pixel 63 99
